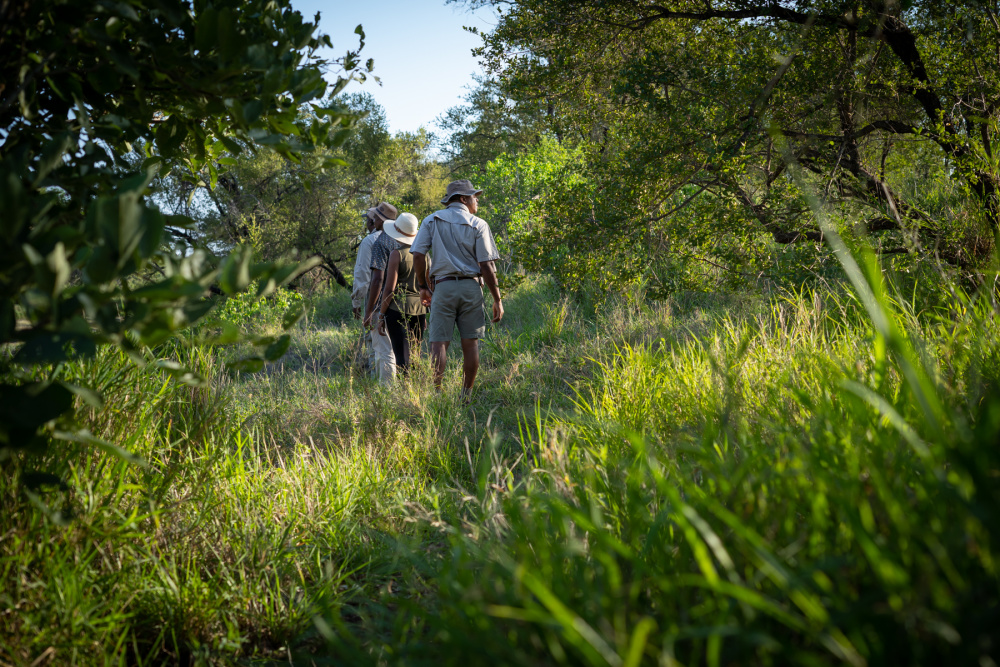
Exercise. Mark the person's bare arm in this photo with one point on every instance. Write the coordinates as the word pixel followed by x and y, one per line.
pixel 373 290
pixel 391 277
pixel 489 271
pixel 421 269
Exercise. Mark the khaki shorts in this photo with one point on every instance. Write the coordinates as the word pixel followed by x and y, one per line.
pixel 457 302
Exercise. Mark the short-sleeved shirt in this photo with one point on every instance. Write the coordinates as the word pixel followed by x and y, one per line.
pixel 384 245
pixel 363 270
pixel 460 241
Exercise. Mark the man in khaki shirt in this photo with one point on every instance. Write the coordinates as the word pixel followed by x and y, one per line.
pixel 464 252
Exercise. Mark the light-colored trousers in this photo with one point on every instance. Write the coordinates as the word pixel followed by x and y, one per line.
pixel 385 360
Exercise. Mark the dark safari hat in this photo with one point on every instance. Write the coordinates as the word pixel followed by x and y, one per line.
pixel 459 189
pixel 385 211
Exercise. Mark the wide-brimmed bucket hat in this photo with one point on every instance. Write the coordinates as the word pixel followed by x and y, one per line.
pixel 459 189
pixel 403 228
pixel 385 211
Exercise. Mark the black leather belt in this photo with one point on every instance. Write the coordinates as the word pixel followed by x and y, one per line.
pixel 444 280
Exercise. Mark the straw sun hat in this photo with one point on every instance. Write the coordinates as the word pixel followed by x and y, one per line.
pixel 403 228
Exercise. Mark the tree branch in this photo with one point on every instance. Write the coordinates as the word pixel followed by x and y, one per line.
pixel 330 267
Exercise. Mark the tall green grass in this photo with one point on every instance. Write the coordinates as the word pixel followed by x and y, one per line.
pixel 813 485
pixel 262 502
pixel 722 479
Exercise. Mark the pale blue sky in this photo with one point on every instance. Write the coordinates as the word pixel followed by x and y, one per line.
pixel 422 54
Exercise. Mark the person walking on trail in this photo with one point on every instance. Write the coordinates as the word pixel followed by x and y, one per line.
pixel 404 316
pixel 383 246
pixel 464 252
pixel 362 268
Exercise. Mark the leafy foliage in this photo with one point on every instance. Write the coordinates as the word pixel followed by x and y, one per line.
pixel 519 191
pixel 310 206
pixel 690 115
pixel 92 88
pixel 245 309
pixel 487 126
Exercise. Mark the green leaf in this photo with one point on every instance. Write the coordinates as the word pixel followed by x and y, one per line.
pixel 248 365
pixel 213 176
pixel 235 276
pixel 273 81
pixel 130 214
pixel 169 136
pixel 293 315
pixel 155 162
pixel 193 312
pixel 84 436
pixel 226 33
pixel 52 271
pixel 258 57
pixel 171 289
pixel 251 111
pixel 180 372
pixel 278 348
pixel 123 60
pixel 114 26
pixel 88 395
pixel 229 333
pixel 30 406
pixel 153 223
pixel 100 266
pixel 13 202
pixel 52 156
pixel 105 79
pixel 36 480
pixel 206 29
pixel 47 347
pixel 58 264
pixel 267 139
pixel 231 145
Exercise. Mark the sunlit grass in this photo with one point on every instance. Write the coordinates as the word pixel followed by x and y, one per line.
pixel 694 480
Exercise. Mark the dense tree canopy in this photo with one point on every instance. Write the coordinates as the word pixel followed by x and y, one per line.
pixel 886 111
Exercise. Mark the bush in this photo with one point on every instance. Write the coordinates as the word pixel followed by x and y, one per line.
pixel 245 310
